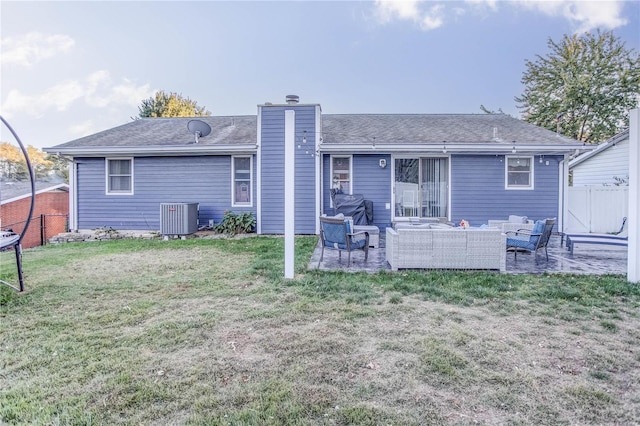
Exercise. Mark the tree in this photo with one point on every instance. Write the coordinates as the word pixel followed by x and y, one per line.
pixel 12 164
pixel 584 87
pixel 172 104
pixel 59 166
pixel 39 162
pixel 14 167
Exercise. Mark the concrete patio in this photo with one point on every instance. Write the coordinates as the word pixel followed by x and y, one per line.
pixel 593 260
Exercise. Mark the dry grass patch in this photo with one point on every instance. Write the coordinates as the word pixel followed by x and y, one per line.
pixel 207 332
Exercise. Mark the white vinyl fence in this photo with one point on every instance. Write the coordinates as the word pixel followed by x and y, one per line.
pixel 596 208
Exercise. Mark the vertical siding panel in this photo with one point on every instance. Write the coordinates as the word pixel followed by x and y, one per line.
pixel 305 173
pixel 272 173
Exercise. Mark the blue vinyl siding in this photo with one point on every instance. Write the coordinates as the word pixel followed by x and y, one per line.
pixel 272 173
pixel 203 179
pixel 369 180
pixel 478 190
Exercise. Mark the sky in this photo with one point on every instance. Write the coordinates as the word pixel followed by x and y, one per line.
pixel 70 69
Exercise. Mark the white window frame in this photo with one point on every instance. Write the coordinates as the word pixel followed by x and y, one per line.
pixel 234 202
pixel 350 159
pixel 531 173
pixel 108 190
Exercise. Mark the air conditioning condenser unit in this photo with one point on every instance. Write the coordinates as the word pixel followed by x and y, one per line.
pixel 178 218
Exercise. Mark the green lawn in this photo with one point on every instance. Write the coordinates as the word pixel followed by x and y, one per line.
pixel 207 331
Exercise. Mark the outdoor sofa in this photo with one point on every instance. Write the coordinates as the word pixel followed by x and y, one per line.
pixel 432 246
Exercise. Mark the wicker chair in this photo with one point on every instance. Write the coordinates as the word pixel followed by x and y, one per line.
pixel 335 233
pixel 533 240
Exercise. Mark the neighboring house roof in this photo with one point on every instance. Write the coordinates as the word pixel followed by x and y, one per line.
pixel 14 191
pixel 340 132
pixel 600 148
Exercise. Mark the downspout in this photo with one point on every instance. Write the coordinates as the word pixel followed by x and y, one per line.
pixel 73 195
pixel 259 173
pixel 318 164
pixel 633 252
pixel 563 201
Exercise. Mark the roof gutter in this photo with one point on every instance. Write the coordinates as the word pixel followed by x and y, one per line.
pixel 157 151
pixel 491 148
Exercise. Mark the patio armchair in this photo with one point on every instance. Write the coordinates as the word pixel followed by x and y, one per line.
pixel 336 233
pixel 533 240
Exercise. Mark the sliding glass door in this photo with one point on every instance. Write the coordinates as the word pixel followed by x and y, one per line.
pixel 421 187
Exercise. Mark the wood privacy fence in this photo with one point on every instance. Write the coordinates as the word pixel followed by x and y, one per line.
pixel 596 208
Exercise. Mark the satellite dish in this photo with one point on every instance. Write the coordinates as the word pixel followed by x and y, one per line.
pixel 198 128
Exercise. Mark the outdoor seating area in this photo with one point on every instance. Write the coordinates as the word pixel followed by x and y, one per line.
pixel 432 245
pixel 592 260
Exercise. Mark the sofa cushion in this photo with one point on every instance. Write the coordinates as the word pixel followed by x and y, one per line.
pixel 407 225
pixel 440 226
pixel 518 242
pixel 538 227
pixel 517 219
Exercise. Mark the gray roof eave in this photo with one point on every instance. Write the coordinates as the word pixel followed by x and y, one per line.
pixel 62 186
pixel 491 148
pixel 158 151
pixel 597 149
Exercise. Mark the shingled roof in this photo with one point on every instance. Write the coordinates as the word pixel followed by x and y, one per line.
pixel 434 128
pixel 170 136
pixel 12 191
pixel 171 132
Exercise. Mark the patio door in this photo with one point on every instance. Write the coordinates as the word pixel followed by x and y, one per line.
pixel 421 187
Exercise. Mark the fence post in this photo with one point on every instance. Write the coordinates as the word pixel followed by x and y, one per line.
pixel 42 229
pixel 633 254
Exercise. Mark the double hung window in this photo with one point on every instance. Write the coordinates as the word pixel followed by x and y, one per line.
pixel 119 176
pixel 341 174
pixel 518 172
pixel 241 178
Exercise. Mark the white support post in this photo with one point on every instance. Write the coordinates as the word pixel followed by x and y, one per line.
pixel 289 192
pixel 73 195
pixel 633 220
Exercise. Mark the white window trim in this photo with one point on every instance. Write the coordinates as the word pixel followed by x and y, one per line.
pixel 350 158
pixel 419 156
pixel 531 172
pixel 106 173
pixel 233 181
pixel 331 157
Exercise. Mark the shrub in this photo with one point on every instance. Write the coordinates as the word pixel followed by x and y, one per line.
pixel 233 223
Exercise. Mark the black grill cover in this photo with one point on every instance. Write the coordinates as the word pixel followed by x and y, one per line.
pixel 356 206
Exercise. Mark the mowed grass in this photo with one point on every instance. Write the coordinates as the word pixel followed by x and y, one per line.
pixel 208 332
